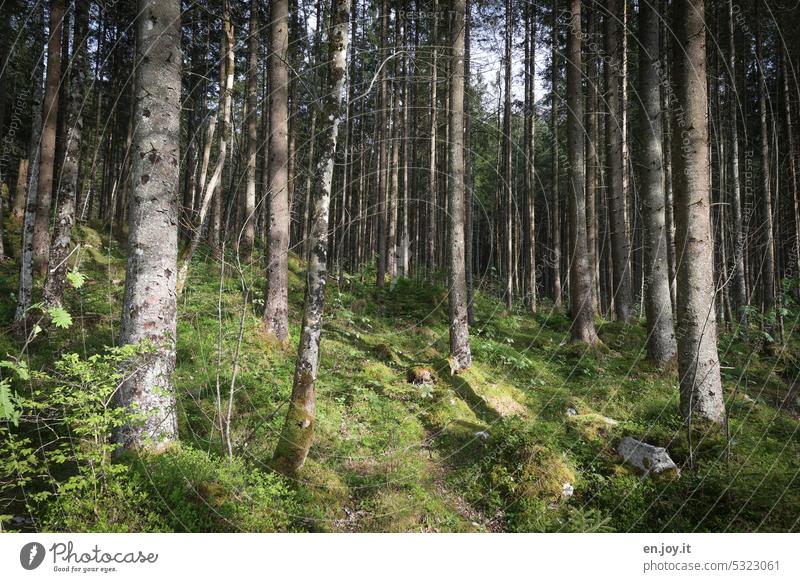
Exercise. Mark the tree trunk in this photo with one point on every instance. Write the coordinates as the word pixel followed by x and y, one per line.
pixel 580 285
pixel 767 270
pixel 298 429
pixel 65 219
pixel 620 245
pixel 661 333
pixel 431 208
pixel 555 212
pixel 698 360
pixel 468 182
pixel 25 293
pixel 792 176
pixel 383 133
pixel 460 356
pixel 150 305
pixel 592 161
pixel 21 191
pixel 276 304
pixel 213 189
pixel 508 191
pixel 44 197
pixel 249 231
pixel 739 284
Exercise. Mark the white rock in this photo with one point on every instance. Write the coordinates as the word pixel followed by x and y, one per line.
pixel 646 457
pixel 568 490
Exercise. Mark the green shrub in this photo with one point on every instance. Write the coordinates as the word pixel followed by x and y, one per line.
pixel 203 493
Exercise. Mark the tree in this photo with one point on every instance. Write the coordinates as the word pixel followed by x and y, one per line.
pixel 460 355
pixel 150 304
pixel 555 214
pixel 298 429
pixel 249 231
pixel 65 218
pixel 25 293
pixel 580 288
pixel 431 209
pixel 661 333
pixel 276 303
pixel 767 265
pixel 615 131
pixel 212 191
pixel 739 281
pixel 698 360
pixel 44 196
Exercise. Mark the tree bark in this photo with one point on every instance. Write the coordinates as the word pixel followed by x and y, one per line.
pixel 698 360
pixel 276 304
pixel 65 219
pixel 249 230
pixel 592 158
pixel 383 170
pixel 555 212
pixel 580 287
pixel 506 203
pixel 298 429
pixel 739 283
pixel 44 197
pixel 430 237
pixel 150 305
pixel 460 355
pixel 620 245
pixel 767 270
pixel 25 293
pixel 661 344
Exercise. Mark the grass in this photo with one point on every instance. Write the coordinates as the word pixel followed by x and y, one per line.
pixel 492 449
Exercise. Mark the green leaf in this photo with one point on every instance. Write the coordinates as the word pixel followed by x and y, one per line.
pixel 7 409
pixel 76 279
pixel 20 369
pixel 60 316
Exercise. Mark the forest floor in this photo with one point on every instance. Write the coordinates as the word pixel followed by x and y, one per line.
pixel 523 441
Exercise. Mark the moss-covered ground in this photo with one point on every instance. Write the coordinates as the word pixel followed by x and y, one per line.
pixel 523 441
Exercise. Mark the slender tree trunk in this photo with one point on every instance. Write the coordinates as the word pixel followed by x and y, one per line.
pixel 432 210
pixel 65 219
pixel 405 239
pixel 25 293
pixel 555 212
pixel 698 360
pixel 592 161
pixel 44 197
pixel 739 283
pixel 767 271
pixel 21 191
pixel 384 133
pixel 276 310
pixel 249 233
pixel 661 344
pixel 460 355
pixel 620 245
pixel 213 188
pixel 468 182
pixel 298 430
pixel 508 191
pixel 580 288
pixel 150 306
pixel 394 175
pixel 792 174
